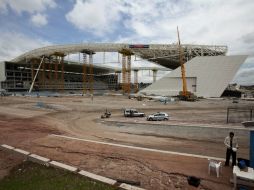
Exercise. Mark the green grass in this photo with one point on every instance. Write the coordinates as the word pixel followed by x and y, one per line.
pixel 31 176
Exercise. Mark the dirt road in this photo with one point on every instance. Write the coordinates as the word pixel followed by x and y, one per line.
pixel 25 125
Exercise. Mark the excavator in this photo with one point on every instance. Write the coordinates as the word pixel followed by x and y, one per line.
pixel 184 95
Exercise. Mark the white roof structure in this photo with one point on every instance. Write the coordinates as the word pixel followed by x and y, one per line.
pixel 166 55
pixel 206 77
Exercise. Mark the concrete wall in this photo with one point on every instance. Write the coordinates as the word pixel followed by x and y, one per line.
pixel 210 74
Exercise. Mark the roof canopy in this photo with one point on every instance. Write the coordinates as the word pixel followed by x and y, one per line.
pixel 163 54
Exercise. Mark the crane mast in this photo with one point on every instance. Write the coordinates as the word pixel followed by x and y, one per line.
pixel 180 49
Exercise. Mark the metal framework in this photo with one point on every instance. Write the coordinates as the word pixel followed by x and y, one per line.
pixel 163 54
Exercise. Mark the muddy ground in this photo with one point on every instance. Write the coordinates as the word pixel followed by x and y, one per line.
pixel 194 128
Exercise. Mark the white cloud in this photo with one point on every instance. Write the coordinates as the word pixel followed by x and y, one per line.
pixel 30 6
pixel 95 16
pixel 14 44
pixel 245 76
pixel 35 8
pixel 205 22
pixel 39 19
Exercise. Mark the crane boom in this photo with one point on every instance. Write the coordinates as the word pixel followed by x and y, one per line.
pixel 182 65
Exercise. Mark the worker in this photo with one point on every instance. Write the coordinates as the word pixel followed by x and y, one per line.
pixel 232 146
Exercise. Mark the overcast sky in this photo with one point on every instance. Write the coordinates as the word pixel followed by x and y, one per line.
pixel 29 24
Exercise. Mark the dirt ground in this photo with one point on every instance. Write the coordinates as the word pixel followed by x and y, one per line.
pixel 28 122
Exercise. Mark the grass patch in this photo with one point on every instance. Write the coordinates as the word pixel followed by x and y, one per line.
pixel 30 176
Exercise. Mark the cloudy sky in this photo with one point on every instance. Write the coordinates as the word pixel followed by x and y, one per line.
pixel 29 24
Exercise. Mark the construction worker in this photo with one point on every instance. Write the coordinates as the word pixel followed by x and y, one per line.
pixel 232 146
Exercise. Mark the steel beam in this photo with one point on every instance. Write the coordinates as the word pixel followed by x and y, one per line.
pixel 32 85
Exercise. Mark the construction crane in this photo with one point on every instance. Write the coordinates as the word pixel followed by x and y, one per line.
pixel 185 94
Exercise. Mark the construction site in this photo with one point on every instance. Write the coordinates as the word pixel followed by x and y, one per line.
pixel 73 112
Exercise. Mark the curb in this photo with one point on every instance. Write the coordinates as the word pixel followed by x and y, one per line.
pixel 46 161
pixel 63 166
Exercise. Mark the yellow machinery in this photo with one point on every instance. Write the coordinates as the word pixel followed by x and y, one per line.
pixel 185 94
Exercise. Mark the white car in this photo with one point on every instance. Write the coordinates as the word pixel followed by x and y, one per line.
pixel 159 116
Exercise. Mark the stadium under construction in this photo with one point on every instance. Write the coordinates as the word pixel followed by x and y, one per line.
pixel 47 68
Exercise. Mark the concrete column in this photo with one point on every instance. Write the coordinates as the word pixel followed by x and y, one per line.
pixel 154 75
pixel 128 74
pixel 124 73
pixel 136 80
pixel 252 148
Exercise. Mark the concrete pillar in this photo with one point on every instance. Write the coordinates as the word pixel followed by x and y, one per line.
pixel 136 80
pixel 252 148
pixel 128 74
pixel 124 73
pixel 154 75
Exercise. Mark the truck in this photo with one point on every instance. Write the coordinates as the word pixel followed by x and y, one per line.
pixel 130 112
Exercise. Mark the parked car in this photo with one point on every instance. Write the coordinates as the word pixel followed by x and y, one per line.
pixel 159 116
pixel 133 113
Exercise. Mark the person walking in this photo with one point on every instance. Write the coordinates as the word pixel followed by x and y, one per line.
pixel 232 146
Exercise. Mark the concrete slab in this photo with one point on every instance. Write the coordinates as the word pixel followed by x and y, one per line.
pixel 98 177
pixel 63 166
pixel 6 147
pixel 38 159
pixel 129 187
pixel 20 151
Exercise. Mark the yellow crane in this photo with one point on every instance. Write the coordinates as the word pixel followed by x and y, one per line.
pixel 185 94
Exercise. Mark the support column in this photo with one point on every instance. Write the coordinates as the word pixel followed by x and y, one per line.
pixel 123 73
pixel 155 75
pixel 91 78
pixel 50 72
pixel 129 74
pixel 252 148
pixel 43 74
pixel 56 61
pixel 84 72
pixel 136 80
pixel 62 72
pixel 126 72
